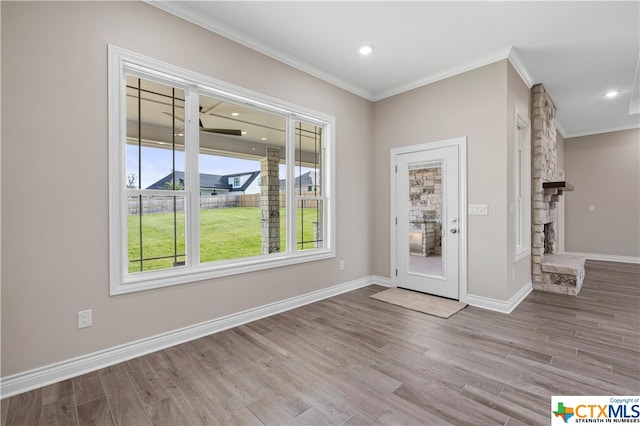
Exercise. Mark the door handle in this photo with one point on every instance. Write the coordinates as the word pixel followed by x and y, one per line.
pixel 454 230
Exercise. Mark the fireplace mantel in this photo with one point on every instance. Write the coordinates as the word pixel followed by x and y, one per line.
pixel 560 185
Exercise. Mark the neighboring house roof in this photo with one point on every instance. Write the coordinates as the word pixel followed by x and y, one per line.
pixel 247 183
pixel 304 179
pixel 208 181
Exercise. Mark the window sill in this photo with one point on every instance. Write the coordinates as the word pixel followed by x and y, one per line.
pixel 184 275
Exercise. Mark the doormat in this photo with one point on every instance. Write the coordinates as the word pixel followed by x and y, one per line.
pixel 416 301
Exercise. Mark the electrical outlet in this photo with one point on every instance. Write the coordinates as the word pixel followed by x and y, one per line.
pixel 84 319
pixel 342 265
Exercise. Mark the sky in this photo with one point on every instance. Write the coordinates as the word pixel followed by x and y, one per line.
pixel 157 163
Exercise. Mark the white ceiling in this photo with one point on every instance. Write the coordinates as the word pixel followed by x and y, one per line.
pixel 578 50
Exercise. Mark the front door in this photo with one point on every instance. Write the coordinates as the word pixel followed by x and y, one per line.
pixel 427 204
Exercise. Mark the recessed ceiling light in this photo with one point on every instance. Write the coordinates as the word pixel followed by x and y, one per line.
pixel 235 114
pixel 366 50
pixel 244 133
pixel 611 94
pixel 264 139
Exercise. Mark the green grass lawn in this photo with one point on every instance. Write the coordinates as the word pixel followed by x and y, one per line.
pixel 225 233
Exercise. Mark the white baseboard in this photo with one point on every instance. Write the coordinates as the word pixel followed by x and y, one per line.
pixel 505 307
pixel 42 376
pixel 385 282
pixel 606 257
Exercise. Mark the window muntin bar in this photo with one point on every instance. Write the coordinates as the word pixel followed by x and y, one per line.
pixel 156 115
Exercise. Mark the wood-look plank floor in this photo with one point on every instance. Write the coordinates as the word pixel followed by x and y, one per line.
pixel 354 360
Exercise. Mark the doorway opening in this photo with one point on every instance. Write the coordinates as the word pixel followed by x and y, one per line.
pixel 428 235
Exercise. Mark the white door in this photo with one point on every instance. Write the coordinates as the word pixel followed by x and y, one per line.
pixel 427 204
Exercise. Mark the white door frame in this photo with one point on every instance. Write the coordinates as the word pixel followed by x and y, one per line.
pixel 461 143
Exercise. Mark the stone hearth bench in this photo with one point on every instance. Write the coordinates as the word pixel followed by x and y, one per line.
pixel 561 273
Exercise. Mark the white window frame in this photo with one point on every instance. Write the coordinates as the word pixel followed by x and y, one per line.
pixel 123 62
pixel 522 184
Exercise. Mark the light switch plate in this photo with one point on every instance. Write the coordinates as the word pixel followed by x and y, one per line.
pixel 478 209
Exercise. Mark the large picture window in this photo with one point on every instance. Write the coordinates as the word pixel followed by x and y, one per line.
pixel 208 179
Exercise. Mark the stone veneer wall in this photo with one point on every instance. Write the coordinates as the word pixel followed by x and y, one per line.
pixel 552 272
pixel 544 169
pixel 425 209
pixel 270 201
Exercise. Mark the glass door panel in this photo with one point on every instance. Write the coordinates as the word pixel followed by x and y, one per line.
pixel 425 218
pixel 427 215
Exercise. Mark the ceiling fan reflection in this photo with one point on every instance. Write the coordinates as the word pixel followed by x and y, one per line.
pixel 232 132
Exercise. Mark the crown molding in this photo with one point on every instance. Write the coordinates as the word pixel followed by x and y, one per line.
pixel 520 68
pixel 183 11
pixel 634 104
pixel 600 131
pixel 477 63
pixel 560 129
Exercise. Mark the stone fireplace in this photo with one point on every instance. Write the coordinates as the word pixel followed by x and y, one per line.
pixel 549 238
pixel 558 273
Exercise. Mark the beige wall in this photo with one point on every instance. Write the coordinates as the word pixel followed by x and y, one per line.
pixel 55 176
pixel 560 157
pixel 605 170
pixel 560 206
pixel 518 272
pixel 472 104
